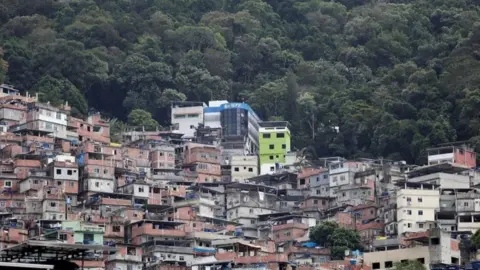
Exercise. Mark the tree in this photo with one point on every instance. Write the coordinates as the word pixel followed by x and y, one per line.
pixel 141 118
pixel 59 91
pixel 355 78
pixel 329 234
pixel 3 67
pixel 409 265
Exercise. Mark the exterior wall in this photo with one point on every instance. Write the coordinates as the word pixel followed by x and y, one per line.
pixel 60 173
pixel 445 180
pixel 268 137
pixel 163 157
pixel 187 119
pixel 414 206
pixel 99 185
pixel 243 167
pixel 381 257
pixel 99 171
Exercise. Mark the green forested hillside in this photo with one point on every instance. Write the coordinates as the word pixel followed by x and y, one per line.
pixel 356 78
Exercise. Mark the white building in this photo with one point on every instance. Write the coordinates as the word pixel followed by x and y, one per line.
pixel 416 206
pixel 211 116
pixel 185 117
pixel 243 167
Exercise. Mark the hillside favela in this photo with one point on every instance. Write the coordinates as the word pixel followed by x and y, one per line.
pixel 222 189
pixel 240 134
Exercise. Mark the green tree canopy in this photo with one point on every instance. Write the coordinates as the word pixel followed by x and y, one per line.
pixel 409 265
pixel 142 118
pixel 355 78
pixel 329 234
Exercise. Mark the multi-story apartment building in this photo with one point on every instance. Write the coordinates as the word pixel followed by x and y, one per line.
pixel 186 116
pixel 206 160
pixel 274 144
pixel 416 206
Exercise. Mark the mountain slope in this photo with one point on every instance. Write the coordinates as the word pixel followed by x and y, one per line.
pixel 355 78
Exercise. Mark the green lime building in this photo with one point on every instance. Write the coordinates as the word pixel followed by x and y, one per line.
pixel 274 143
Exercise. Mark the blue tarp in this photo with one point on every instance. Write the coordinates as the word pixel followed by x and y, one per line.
pixel 204 250
pixel 309 244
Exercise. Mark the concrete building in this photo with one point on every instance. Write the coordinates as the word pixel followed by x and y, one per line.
pixel 416 206
pixel 243 168
pixel 185 117
pixel 274 144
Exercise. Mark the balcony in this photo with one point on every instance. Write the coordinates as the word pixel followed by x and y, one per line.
pixel 147 229
pixel 261 259
pixel 386 242
pixel 90 229
pixel 170 249
pixel 468 195
pixel 290 226
pixel 125 257
pixel 91 264
pixel 117 202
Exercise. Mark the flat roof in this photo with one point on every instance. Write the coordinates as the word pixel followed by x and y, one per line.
pixel 26 265
pixel 437 168
pixel 43 250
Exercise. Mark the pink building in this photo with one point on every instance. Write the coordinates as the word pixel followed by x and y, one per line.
pixel 207 161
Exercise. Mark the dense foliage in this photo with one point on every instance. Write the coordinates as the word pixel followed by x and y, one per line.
pixel 356 78
pixel 409 265
pixel 337 239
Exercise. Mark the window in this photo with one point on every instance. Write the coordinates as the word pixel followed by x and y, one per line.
pixel 8 183
pixel 343 194
pixel 376 265
pixel 72 184
pixel 250 169
pixel 420 212
pixel 465 203
pixel 388 264
pixel 59 171
pixel 409 199
pixel 252 221
pixel 105 171
pixel 69 172
pixel 271 157
pixel 48 126
pixel 251 211
pixel 280 135
pixel 272 169
pixel 116 228
pixel 53 204
pixel 97 184
pixel 140 189
pixel 342 178
pixel 181 258
pixel 284 146
pixel 318 192
pixel 334 179
pixel 237 169
pixel 266 135
pixel 420 199
pixel 271 146
pixel 59 116
pixel 315 201
pixel 302 181
pixel 59 183
pixel 96 170
pixel 62 237
pixel 420 226
pixel 409 212
pixel 409 225
pixel 87 238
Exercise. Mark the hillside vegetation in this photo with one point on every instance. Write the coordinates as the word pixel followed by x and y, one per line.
pixel 356 78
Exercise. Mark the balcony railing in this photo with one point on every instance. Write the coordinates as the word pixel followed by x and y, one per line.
pixel 125 257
